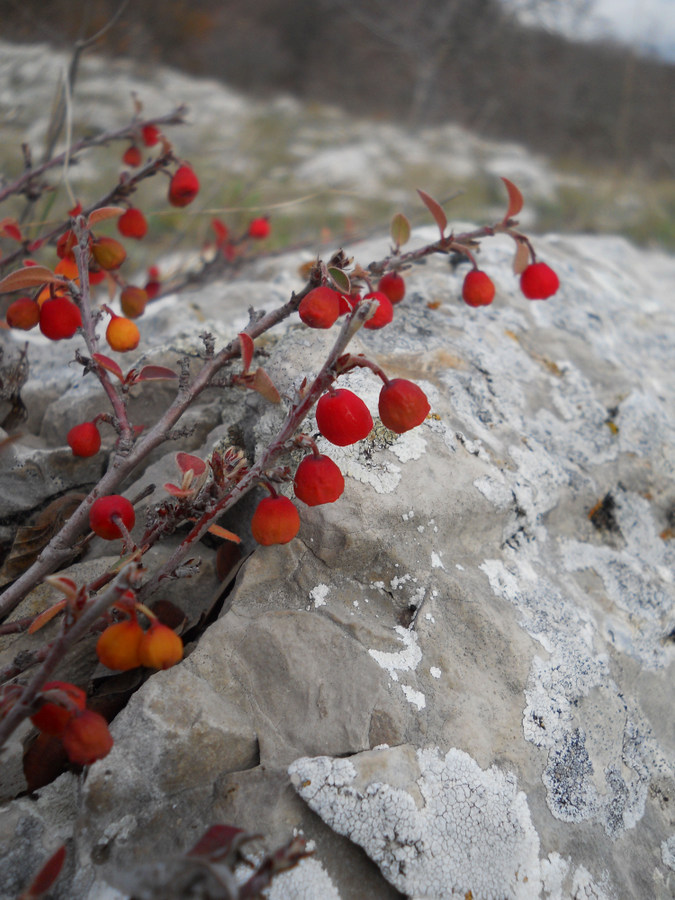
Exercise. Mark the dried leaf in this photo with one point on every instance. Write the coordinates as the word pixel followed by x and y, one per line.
pixel 521 260
pixel 105 212
pixel 263 384
pixel 219 531
pixel 435 209
pixel 155 373
pixel 47 875
pixel 400 229
pixel 247 348
pixel 515 199
pixel 28 277
pixel 106 363
pixel 340 279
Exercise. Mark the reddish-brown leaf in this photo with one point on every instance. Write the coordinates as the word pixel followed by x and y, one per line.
pixel 28 277
pixel 47 875
pixel 218 841
pixel 400 229
pixel 106 363
pixel 155 373
pixel 435 209
pixel 105 212
pixel 521 260
pixel 247 348
pixel 219 531
pixel 263 384
pixel 515 199
pixel 46 616
pixel 176 491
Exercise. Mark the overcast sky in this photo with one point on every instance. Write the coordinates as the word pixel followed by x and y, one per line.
pixel 643 23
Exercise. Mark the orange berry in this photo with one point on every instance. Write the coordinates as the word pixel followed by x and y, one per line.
pixel 402 405
pixel 132 224
pixel 259 228
pixel 118 646
pixel 52 717
pixel 59 319
pixel 67 267
pixel 184 187
pixel 478 289
pixel 86 738
pixel 539 281
pixel 101 516
pixel 393 285
pixel 275 521
pixel 160 647
pixel 84 439
pixel 122 334
pixel 23 313
pixel 133 301
pixel 108 253
pixel 320 308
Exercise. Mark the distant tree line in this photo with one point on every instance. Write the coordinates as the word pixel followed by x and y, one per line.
pixel 413 61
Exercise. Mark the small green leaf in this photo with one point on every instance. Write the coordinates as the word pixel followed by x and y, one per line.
pixel 340 279
pixel 400 230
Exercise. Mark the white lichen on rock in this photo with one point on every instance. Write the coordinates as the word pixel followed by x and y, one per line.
pixel 452 828
pixel 307 881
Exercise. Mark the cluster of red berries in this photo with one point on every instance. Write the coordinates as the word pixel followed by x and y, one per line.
pixel 64 715
pixel 538 281
pixel 125 645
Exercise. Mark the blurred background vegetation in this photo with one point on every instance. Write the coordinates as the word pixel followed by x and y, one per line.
pixel 596 110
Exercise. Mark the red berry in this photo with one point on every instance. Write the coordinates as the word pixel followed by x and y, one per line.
pixel 342 417
pixel 402 405
pixel 118 646
pixel 86 738
pixel 84 439
pixel 539 281
pixel 52 717
pixel 132 224
pixel 160 647
pixel 384 313
pixel 151 135
pixel 478 289
pixel 320 308
pixel 275 521
pixel 184 187
pixel 59 319
pixel 259 228
pixel 132 156
pixel 318 480
pixel 393 285
pixel 102 512
pixel 23 313
pixel 348 302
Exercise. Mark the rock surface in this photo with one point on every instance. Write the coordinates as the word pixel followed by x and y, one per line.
pixel 458 608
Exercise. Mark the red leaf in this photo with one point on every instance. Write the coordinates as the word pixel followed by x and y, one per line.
pixel 435 209
pixel 29 276
pixel 105 212
pixel 176 491
pixel 218 841
pixel 187 462
pixel 155 373
pixel 106 363
pixel 76 210
pixel 515 199
pixel 221 230
pixel 47 875
pixel 247 348
pixel 12 229
pixel 219 531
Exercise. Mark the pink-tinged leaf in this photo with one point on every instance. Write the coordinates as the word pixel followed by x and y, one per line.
pixel 11 228
pixel 263 384
pixel 219 531
pixel 435 209
pixel 515 199
pixel 46 616
pixel 176 491
pixel 400 229
pixel 187 462
pixel 47 875
pixel 221 230
pixel 521 260
pixel 28 277
pixel 105 212
pixel 247 347
pixel 340 279
pixel 155 373
pixel 109 364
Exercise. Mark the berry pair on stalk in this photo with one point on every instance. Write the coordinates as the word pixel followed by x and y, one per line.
pixel 63 714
